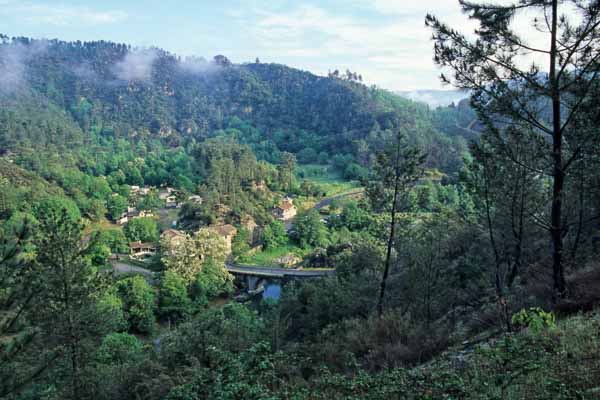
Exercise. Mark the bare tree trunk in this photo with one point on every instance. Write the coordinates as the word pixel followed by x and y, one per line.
pixel 556 229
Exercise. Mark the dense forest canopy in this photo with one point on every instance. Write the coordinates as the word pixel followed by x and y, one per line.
pixel 115 91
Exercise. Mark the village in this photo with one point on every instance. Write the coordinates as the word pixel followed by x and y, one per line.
pixel 172 199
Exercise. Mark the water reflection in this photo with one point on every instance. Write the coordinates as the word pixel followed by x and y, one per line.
pixel 272 291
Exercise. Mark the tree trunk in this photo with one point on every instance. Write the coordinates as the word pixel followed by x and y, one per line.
pixel 390 243
pixel 556 230
pixel 388 255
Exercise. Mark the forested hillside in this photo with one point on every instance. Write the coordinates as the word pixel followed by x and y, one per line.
pixel 102 89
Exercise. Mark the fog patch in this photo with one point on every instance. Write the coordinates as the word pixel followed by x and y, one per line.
pixel 85 72
pixel 136 65
pixel 14 58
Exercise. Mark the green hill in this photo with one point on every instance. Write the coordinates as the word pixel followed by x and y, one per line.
pixel 63 92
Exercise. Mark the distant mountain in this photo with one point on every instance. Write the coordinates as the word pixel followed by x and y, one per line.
pixel 435 98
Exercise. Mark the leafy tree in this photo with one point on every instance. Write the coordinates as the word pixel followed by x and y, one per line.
pixel 211 246
pixel 285 171
pixel 241 242
pixel 116 205
pixel 186 256
pixel 142 229
pixel 274 235
pixel 114 239
pixel 212 281
pixel 138 303
pixel 19 293
pixel 110 307
pixel 173 301
pixel 354 216
pixel 310 231
pixel 150 202
pixel 55 204
pixel 182 256
pixel 307 155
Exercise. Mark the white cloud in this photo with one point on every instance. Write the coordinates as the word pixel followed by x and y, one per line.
pixel 404 7
pixel 394 50
pixel 59 15
pixel 396 55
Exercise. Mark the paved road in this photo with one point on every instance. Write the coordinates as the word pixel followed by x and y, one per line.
pixel 123 268
pixel 327 201
pixel 278 272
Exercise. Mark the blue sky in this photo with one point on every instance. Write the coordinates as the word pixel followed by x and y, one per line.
pixel 384 40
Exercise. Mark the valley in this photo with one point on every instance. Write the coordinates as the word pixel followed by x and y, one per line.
pixel 175 227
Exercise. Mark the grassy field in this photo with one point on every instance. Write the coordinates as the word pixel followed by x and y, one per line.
pixel 329 180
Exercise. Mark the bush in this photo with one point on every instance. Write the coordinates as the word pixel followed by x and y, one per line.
pixel 119 348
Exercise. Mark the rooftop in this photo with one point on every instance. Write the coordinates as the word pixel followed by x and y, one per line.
pixel 224 230
pixel 141 245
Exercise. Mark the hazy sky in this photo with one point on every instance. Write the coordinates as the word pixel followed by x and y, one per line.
pixel 384 40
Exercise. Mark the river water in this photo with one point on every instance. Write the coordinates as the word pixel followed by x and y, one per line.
pixel 272 291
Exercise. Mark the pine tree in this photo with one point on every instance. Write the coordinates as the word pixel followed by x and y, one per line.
pixel 71 285
pixel 397 169
pixel 548 99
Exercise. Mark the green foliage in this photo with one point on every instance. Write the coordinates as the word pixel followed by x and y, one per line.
pixel 67 312
pixel 310 231
pixel 274 235
pixel 233 328
pixel 150 202
pixel 138 303
pixel 355 217
pixel 212 281
pixel 240 244
pixel 116 205
pixel 173 301
pixel 141 229
pixel 54 205
pixel 119 348
pixel 534 319
pixel 114 239
pixel 76 141
pixel 110 306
